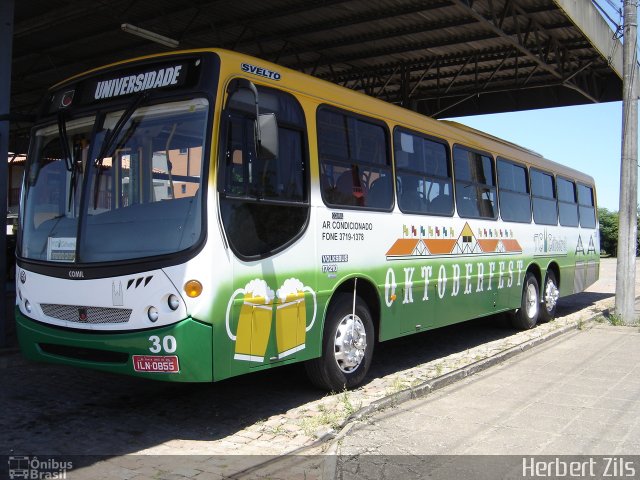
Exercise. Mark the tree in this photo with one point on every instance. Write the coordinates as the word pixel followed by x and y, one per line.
pixel 609 232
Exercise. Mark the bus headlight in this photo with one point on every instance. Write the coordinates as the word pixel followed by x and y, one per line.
pixel 153 314
pixel 173 302
pixel 193 288
pixel 27 306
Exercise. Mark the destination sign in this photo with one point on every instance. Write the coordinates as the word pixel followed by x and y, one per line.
pixel 127 81
pixel 127 84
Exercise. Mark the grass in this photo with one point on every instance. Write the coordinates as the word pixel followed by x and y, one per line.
pixel 332 417
pixel 614 319
pixel 278 430
pixel 398 385
pixel 324 418
pixel 348 406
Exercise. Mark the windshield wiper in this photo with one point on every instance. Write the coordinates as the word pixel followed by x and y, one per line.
pixel 68 157
pixel 64 141
pixel 110 139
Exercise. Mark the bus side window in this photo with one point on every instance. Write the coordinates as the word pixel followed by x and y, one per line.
pixel 475 184
pixel 513 183
pixel 423 172
pixel 543 198
pixel 355 167
pixel 587 208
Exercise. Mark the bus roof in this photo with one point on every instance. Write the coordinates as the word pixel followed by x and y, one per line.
pixel 364 104
pixel 346 98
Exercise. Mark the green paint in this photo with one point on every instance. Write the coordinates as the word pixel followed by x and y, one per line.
pixel 206 352
pixel 193 340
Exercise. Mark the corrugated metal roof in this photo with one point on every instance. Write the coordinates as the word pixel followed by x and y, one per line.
pixel 439 57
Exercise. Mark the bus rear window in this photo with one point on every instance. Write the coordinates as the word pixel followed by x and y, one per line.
pixel 586 206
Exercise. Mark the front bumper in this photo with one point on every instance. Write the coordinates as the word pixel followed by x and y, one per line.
pixel 191 343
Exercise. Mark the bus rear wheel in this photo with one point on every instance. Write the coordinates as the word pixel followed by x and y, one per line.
pixel 550 294
pixel 347 346
pixel 526 316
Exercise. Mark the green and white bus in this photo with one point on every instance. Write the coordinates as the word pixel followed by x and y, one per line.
pixel 198 215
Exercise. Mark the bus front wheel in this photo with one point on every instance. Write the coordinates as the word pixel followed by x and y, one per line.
pixel 527 315
pixel 347 346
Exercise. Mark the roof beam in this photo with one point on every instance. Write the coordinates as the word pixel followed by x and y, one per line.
pixel 481 76
pixel 537 56
pixel 58 14
pixel 385 34
pixel 408 47
pixel 149 21
pixel 447 61
pixel 351 20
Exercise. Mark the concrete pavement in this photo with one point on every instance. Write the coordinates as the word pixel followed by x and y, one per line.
pixel 574 399
pixel 576 395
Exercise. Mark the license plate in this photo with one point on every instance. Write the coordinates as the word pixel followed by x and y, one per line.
pixel 156 363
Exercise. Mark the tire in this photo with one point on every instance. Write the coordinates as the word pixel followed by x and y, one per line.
pixel 526 316
pixel 344 363
pixel 549 299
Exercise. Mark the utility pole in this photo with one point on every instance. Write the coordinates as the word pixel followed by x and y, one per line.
pixel 628 214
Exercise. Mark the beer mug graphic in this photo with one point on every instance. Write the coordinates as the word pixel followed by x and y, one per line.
pixel 254 323
pixel 291 317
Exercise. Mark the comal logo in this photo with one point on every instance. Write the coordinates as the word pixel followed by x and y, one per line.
pixel 76 274
pixel 117 294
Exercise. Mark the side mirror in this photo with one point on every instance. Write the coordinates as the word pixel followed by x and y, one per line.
pixel 267 136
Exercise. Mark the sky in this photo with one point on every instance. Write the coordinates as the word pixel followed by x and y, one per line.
pixel 586 137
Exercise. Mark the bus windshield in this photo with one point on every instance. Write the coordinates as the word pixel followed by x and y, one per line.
pixel 138 196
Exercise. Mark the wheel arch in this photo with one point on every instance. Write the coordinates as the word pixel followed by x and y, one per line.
pixel 534 268
pixel 367 291
pixel 555 268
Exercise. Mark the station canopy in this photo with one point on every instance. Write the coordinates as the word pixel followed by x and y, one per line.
pixel 442 58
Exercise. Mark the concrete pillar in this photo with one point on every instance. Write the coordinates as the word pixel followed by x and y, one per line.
pixel 628 214
pixel 6 47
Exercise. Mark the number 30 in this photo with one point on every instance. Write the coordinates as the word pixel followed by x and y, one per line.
pixel 168 344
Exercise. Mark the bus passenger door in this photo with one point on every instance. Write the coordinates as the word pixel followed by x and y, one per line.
pixel 264 208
